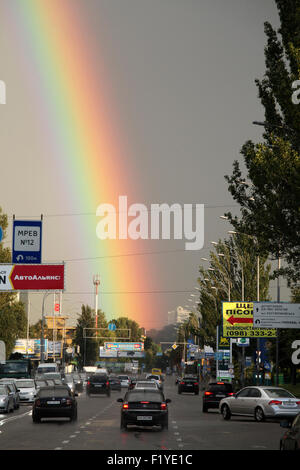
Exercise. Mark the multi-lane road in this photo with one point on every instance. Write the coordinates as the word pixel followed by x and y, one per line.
pixel 98 428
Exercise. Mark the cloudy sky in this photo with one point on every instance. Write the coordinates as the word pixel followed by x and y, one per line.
pixel 180 76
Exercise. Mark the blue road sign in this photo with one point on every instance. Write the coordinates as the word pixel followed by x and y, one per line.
pixel 1 234
pixel 27 242
pixel 112 326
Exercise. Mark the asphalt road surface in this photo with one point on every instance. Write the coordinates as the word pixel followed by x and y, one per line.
pixel 98 428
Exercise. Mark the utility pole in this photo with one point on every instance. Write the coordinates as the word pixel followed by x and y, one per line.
pixel 96 282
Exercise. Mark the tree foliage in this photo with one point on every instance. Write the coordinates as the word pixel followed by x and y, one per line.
pixel 270 201
pixel 12 313
pixel 225 279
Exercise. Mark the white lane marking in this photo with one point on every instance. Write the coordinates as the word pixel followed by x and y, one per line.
pixel 72 437
pixel 58 448
pixel 65 442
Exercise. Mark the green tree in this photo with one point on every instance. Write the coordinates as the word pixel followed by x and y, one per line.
pixel 88 354
pixel 12 313
pixel 270 201
pixel 233 264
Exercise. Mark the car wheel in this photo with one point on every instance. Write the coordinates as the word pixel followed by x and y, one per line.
pixel 259 415
pixel 165 425
pixel 226 412
pixel 123 425
pixel 35 418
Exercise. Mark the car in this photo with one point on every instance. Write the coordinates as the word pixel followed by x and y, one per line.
pixel 54 402
pixel 157 379
pixel 98 384
pixel 27 390
pixel 78 382
pixel 189 385
pixel 291 438
pixel 144 407
pixel 13 389
pixel 214 393
pixel 125 380
pixel 6 399
pixel 69 381
pixel 115 382
pixel 262 403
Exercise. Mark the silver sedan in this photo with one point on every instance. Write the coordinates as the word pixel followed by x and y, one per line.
pixel 261 403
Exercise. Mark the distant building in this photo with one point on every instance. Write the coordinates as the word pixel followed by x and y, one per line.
pixel 180 315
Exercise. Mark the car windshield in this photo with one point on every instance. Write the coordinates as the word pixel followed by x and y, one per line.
pixel 278 393
pixel 25 384
pixel 123 377
pixel 146 395
pixel 52 375
pixel 54 392
pixel 154 377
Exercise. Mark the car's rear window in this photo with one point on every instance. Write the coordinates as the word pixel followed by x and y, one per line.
pixel 278 393
pixel 55 392
pixel 227 388
pixel 98 378
pixel 189 379
pixel 146 395
pixel 3 391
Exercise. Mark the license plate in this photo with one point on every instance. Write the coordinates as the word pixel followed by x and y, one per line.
pixel 189 385
pixel 98 385
pixel 220 396
pixel 53 402
pixel 144 418
pixel 289 405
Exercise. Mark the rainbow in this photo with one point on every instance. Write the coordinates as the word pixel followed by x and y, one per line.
pixel 70 89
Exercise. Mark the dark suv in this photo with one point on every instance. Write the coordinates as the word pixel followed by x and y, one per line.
pixel 214 393
pixel 97 384
pixel 189 385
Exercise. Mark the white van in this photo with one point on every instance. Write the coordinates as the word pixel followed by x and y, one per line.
pixel 47 367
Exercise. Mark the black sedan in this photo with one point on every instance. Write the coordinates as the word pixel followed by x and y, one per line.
pixel 98 384
pixel 189 385
pixel 291 438
pixel 142 407
pixel 54 402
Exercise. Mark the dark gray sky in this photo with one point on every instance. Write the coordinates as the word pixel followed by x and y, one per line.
pixel 182 76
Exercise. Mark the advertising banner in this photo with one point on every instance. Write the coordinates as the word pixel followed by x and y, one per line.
pixel 238 321
pixel 125 346
pixel 31 277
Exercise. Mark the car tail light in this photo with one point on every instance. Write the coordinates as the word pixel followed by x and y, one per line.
pixel 144 401
pixel 297 402
pixel 69 402
pixel 220 383
pixel 125 406
pixel 275 402
pixel 163 406
pixel 230 394
pixel 207 393
pixel 182 383
pixel 107 383
pixel 196 383
pixel 88 382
